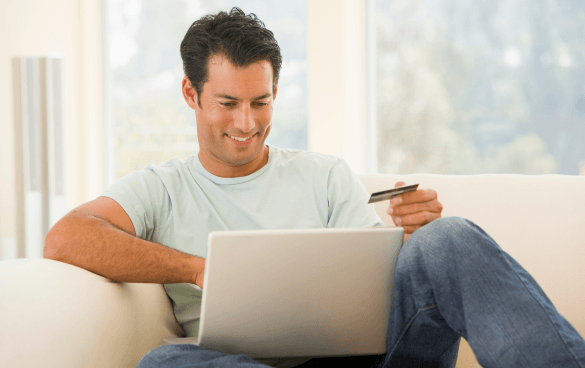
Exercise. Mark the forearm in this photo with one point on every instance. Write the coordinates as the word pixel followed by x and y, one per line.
pixel 97 246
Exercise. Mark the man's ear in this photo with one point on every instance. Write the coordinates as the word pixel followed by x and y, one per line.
pixel 274 92
pixel 189 93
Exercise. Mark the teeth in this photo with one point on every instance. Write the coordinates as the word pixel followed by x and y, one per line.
pixel 239 139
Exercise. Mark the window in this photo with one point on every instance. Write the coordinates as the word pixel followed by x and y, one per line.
pixel 150 121
pixel 466 87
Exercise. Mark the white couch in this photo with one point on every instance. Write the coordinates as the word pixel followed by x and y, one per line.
pixel 56 315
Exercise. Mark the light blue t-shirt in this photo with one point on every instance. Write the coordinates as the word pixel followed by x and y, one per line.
pixel 179 203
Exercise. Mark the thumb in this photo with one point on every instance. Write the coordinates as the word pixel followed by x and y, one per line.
pixel 399 184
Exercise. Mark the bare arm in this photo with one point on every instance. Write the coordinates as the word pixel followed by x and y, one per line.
pixel 99 237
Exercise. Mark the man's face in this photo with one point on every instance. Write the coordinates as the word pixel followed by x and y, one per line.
pixel 235 116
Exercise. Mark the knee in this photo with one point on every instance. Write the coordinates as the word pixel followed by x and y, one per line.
pixel 445 227
pixel 447 239
pixel 430 257
pixel 443 231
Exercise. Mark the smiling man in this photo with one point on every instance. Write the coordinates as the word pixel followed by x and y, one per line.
pixel 234 116
pixel 451 279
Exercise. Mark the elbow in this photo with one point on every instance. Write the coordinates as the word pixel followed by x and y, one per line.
pixel 51 250
pixel 56 241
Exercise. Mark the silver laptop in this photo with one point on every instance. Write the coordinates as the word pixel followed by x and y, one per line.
pixel 299 293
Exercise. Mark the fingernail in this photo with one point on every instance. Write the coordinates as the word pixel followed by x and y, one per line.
pixel 395 201
pixel 397 220
pixel 390 210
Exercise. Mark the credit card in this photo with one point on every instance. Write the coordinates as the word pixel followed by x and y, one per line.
pixel 391 193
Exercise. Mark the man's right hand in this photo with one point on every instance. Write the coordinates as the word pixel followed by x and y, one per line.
pixel 200 275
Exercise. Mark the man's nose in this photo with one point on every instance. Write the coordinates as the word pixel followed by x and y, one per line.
pixel 244 119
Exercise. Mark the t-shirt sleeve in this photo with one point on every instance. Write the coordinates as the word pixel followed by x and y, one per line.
pixel 143 196
pixel 348 200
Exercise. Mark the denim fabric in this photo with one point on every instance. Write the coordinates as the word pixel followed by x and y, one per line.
pixel 188 355
pixel 451 281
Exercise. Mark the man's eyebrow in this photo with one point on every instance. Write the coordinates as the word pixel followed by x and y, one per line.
pixel 221 95
pixel 263 96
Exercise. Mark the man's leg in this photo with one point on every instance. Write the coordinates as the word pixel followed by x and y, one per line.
pixel 191 356
pixel 453 280
pixel 369 361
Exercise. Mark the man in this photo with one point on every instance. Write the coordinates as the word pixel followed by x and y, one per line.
pixel 451 279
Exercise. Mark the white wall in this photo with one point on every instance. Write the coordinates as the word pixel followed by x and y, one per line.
pixel 73 28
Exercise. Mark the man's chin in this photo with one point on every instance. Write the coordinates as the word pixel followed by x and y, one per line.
pixel 245 155
pixel 241 159
pixel 242 163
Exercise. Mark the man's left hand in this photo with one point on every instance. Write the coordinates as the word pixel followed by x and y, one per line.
pixel 413 210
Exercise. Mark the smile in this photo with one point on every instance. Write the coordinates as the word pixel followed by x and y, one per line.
pixel 240 139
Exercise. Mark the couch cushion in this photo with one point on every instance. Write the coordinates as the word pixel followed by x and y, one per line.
pixel 74 318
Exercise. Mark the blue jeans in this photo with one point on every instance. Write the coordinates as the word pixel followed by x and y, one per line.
pixel 451 281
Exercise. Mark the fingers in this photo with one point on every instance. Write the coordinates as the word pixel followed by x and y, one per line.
pixel 412 202
pixel 407 209
pixel 410 229
pixel 420 195
pixel 416 219
pixel 413 210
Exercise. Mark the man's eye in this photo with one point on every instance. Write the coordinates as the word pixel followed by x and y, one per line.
pixel 228 104
pixel 261 104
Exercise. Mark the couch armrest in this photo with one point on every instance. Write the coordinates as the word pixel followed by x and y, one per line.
pixel 53 314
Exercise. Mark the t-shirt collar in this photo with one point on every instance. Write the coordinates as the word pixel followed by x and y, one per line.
pixel 231 181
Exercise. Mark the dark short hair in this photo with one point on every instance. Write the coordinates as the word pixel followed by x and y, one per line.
pixel 242 39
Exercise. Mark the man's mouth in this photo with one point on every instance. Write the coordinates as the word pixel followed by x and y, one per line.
pixel 241 139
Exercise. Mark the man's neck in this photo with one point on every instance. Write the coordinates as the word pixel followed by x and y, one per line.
pixel 219 168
